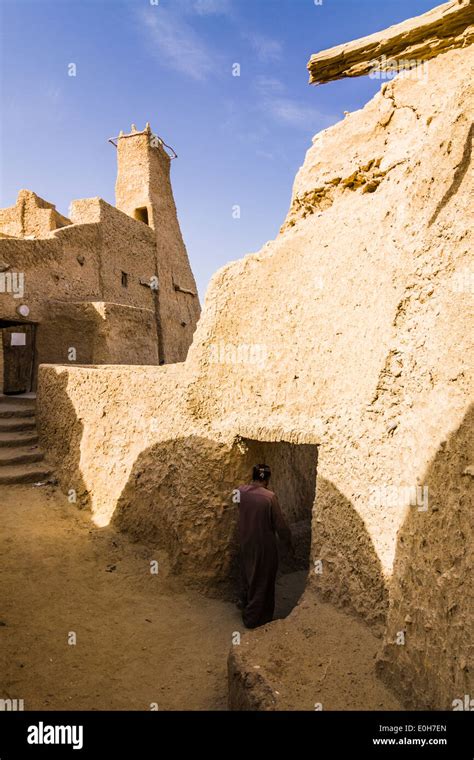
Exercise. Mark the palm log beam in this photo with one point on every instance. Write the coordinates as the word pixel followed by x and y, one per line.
pixel 445 27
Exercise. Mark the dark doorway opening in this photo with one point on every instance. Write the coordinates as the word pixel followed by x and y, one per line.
pixel 294 472
pixel 141 214
pixel 18 356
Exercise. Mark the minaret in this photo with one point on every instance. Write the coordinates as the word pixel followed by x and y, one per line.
pixel 143 191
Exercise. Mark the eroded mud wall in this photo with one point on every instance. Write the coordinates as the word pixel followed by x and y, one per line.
pixel 363 345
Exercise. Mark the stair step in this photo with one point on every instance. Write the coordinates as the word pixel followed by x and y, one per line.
pixel 23 401
pixel 16 410
pixel 24 473
pixel 22 438
pixel 13 424
pixel 24 454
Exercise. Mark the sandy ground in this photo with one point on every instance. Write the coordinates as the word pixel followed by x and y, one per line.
pixel 334 668
pixel 140 638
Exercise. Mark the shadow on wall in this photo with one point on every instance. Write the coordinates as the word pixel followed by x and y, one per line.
pixel 67 429
pixel 179 492
pixel 432 598
pixel 346 569
pixel 179 497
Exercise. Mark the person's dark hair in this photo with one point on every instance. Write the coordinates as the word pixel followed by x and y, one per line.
pixel 261 472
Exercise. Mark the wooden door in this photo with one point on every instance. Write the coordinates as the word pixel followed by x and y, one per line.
pixel 18 355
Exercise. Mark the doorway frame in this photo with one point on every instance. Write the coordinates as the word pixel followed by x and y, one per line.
pixel 21 323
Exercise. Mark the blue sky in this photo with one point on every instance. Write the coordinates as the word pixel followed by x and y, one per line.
pixel 240 140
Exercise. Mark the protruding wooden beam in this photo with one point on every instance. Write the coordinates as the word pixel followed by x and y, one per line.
pixel 420 38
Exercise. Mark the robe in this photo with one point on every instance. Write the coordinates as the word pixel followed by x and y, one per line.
pixel 260 519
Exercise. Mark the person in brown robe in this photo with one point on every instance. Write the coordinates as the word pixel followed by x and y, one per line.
pixel 260 519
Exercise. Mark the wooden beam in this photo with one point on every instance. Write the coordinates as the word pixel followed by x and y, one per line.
pixel 420 38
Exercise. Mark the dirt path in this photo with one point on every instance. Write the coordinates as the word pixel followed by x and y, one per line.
pixel 334 668
pixel 140 638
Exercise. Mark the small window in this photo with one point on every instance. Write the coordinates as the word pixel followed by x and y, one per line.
pixel 124 280
pixel 141 214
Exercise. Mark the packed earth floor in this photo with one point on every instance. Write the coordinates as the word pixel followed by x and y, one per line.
pixel 141 639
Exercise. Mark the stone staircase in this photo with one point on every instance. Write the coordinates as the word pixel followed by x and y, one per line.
pixel 21 459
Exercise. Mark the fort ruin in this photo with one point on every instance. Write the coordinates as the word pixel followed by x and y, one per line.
pixel 365 383
pixel 109 285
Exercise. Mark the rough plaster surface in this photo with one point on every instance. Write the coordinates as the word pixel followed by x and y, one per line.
pixel 366 354
pixel 145 464
pixel 432 596
pixel 30 217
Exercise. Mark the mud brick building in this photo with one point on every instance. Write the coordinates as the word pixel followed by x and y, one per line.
pixel 109 285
